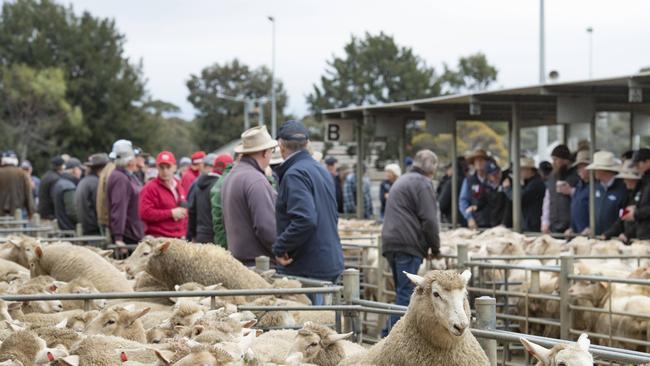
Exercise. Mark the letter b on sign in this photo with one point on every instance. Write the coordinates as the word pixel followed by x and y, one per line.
pixel 333 132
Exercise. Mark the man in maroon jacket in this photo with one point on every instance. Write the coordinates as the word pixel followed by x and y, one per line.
pixel 163 202
pixel 122 191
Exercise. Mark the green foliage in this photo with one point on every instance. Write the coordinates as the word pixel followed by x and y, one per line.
pixel 221 121
pixel 374 70
pixel 34 110
pixel 99 79
pixel 473 73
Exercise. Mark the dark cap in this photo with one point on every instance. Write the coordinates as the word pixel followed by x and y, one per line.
pixel 641 155
pixel 562 152
pixel 331 160
pixel 73 163
pixel 57 161
pixel 97 160
pixel 293 131
pixel 492 168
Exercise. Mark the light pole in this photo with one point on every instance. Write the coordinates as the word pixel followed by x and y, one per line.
pixel 274 122
pixel 542 51
pixel 590 31
pixel 247 105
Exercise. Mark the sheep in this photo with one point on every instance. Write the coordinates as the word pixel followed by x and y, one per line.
pixel 80 286
pixel 285 282
pixel 101 350
pixel 194 286
pixel 120 322
pixel 37 320
pixel 39 306
pixel 322 346
pixel 273 344
pixel 181 262
pixel 29 349
pixel 65 263
pixel 59 334
pixel 561 354
pixel 433 330
pixel 18 249
pixel 11 271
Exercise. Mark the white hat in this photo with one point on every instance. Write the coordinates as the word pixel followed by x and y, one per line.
pixel 604 160
pixel 582 157
pixel 317 155
pixel 393 168
pixel 255 139
pixel 628 171
pixel 526 162
pixel 123 151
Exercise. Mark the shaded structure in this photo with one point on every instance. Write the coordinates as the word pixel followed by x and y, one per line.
pixel 568 104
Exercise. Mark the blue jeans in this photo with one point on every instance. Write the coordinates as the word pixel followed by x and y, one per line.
pixel 319 299
pixel 403 286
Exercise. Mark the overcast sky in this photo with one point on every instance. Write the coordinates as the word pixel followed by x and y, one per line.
pixel 177 38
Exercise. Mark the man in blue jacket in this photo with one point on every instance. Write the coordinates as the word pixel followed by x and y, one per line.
pixel 307 243
pixel 611 193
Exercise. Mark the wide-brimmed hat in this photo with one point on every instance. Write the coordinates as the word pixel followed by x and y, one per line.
pixel 478 153
pixel 604 160
pixel 628 171
pixel 526 162
pixel 256 139
pixel 582 157
pixel 393 168
pixel 276 158
pixel 97 160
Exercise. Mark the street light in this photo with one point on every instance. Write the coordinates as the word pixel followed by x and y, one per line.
pixel 590 31
pixel 274 122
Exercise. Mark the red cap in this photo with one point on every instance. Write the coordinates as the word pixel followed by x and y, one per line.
pixel 197 157
pixel 221 162
pixel 165 157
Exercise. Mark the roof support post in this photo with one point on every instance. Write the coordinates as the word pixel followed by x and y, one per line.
pixel 401 151
pixel 592 179
pixel 454 177
pixel 514 156
pixel 360 158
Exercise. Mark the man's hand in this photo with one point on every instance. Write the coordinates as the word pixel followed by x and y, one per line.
pixel 284 260
pixel 546 229
pixel 622 238
pixel 471 223
pixel 120 243
pixel 629 216
pixel 564 188
pixel 179 213
pixel 568 232
pixel 506 183
pixel 471 209
pixel 586 232
pixel 433 256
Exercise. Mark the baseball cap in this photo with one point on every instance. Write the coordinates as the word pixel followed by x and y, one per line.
pixel 73 163
pixel 123 149
pixel 197 157
pixel 165 157
pixel 209 159
pixel 641 155
pixel 330 160
pixel 293 131
pixel 492 168
pixel 186 161
pixel 26 164
pixel 221 162
pixel 57 161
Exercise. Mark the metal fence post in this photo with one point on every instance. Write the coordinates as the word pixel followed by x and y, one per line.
pixel 463 256
pixel 566 269
pixel 351 293
pixel 262 263
pixel 79 230
pixel 486 319
pixel 18 214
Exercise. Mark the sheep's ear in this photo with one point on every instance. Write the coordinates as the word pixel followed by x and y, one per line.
pixel 177 287
pixel 417 280
pixel 62 324
pixel 162 358
pixel 52 289
pixel 39 251
pixel 14 305
pixel 604 285
pixel 304 332
pixel 106 253
pixel 539 352
pixel 129 308
pixel 14 327
pixel 139 314
pixel 83 290
pixel 336 337
pixel 198 329
pixel 192 343
pixel 583 342
pixel 216 286
pixel 249 324
pixel 466 275
pixel 162 248
pixel 72 360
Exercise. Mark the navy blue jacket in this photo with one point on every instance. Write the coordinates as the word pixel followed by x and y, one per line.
pixel 608 203
pixel 307 219
pixel 580 207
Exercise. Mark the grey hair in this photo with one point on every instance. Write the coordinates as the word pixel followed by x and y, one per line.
pixel 294 145
pixel 427 161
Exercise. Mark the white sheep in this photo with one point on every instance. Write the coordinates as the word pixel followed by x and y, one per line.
pixel 561 354
pixel 434 330
pixel 322 346
pixel 29 349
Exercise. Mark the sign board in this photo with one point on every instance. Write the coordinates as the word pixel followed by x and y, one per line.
pixel 575 109
pixel 440 122
pixel 641 124
pixel 339 130
pixel 389 126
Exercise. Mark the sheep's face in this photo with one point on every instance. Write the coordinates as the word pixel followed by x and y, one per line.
pixel 203 358
pixel 309 342
pixel 137 261
pixel 47 355
pixel 79 322
pixel 446 293
pixel 505 246
pixel 20 249
pixel 41 306
pixel 114 321
pixel 544 245
pixel 641 272
pixel 561 355
pixel 588 290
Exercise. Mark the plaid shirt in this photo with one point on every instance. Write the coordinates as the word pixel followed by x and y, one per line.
pixel 350 196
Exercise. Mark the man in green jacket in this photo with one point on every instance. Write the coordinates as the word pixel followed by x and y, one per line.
pixel 217 215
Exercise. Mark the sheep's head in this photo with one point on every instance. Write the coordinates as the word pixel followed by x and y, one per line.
pixel 589 290
pixel 19 249
pixel 641 272
pixel 445 293
pixel 78 322
pixel 116 321
pixel 34 260
pixel 186 314
pixel 315 338
pixel 505 246
pixel 82 286
pixel 137 261
pixel 562 354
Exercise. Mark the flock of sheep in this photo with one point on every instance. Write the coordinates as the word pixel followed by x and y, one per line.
pixel 184 331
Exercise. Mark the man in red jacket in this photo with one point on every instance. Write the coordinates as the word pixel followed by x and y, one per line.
pixel 194 170
pixel 163 202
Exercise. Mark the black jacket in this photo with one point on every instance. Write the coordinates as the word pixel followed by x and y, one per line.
pixel 85 200
pixel 45 203
pixel 560 204
pixel 200 211
pixel 532 200
pixel 62 194
pixel 642 214
pixel 625 227
pixel 411 218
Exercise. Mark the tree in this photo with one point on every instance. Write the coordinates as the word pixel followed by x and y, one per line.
pixel 33 109
pixel 100 79
pixel 473 73
pixel 374 70
pixel 220 121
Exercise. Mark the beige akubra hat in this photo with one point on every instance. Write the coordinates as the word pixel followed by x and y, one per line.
pixel 628 171
pixel 582 157
pixel 526 162
pixel 256 139
pixel 604 160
